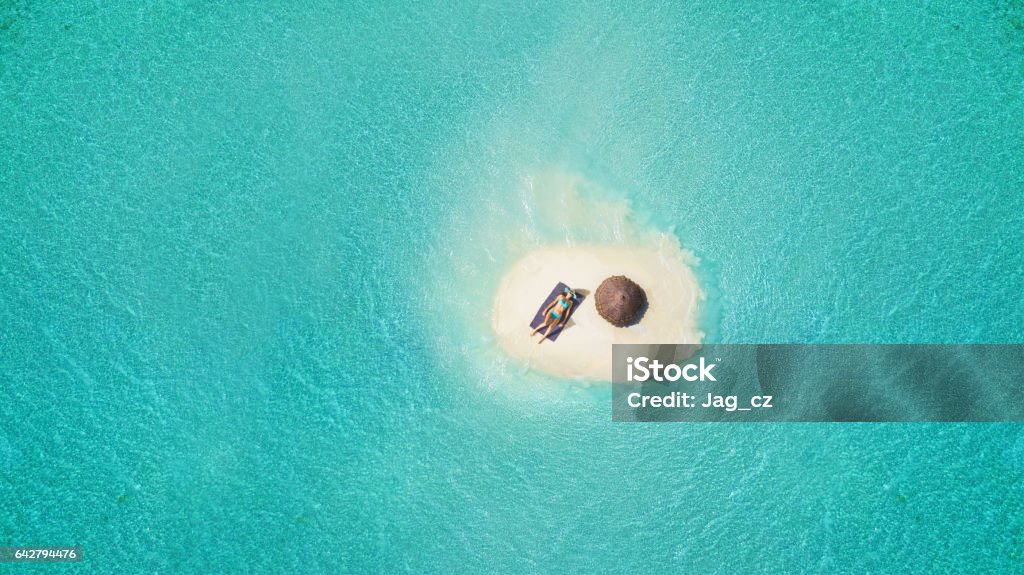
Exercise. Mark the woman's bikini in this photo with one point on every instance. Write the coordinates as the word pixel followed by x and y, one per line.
pixel 565 304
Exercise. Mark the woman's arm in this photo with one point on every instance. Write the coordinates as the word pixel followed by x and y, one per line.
pixel 568 311
pixel 550 305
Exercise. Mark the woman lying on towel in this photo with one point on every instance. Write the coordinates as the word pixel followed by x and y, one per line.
pixel 556 313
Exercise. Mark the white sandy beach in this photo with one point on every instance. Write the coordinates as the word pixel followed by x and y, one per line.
pixel 583 351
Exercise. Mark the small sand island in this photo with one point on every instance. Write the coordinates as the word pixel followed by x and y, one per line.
pixel 583 350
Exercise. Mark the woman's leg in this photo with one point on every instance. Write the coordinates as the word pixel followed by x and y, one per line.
pixel 542 325
pixel 550 326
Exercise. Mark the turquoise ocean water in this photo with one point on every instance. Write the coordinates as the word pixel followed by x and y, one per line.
pixel 242 249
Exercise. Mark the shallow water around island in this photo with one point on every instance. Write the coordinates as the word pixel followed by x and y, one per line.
pixel 240 253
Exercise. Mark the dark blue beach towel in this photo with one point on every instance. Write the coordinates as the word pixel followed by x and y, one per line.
pixel 539 317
